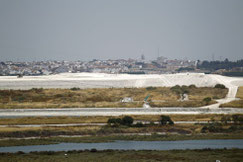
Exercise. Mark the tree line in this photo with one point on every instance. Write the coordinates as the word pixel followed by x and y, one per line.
pixel 216 65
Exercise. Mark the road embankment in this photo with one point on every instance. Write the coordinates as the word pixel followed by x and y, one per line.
pixel 114 111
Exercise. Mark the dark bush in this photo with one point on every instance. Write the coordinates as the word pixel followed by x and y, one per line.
pixel 150 88
pixel 207 100
pixel 75 89
pixel 111 120
pixel 166 120
pixel 204 129
pixel 20 152
pixel 221 86
pixel 93 150
pixel 114 121
pixel 139 124
pixel 118 120
pixel 151 123
pixel 127 120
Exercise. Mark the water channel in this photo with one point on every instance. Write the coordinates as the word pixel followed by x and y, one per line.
pixel 131 145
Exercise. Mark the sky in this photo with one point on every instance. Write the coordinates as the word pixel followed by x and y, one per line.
pixel 36 30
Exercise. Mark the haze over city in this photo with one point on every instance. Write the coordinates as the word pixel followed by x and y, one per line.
pixel 113 29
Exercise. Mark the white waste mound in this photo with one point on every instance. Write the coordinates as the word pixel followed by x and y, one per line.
pixel 101 80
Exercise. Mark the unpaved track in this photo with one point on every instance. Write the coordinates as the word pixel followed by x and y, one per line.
pixel 232 90
pixel 114 111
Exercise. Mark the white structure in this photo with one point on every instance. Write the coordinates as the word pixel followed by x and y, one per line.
pixel 127 99
pixel 184 97
pixel 146 105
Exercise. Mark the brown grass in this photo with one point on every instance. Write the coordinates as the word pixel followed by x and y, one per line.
pixel 103 97
pixel 240 93
pixel 103 119
pixel 236 103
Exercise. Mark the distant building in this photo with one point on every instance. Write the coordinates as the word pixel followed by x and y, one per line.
pixel 61 69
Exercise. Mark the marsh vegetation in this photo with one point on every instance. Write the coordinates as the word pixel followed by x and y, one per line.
pixel 109 97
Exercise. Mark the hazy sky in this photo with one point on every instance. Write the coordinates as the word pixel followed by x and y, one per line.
pixel 112 29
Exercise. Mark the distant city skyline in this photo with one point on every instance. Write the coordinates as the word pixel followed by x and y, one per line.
pixel 36 30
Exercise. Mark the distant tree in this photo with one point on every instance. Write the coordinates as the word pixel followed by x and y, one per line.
pixel 215 65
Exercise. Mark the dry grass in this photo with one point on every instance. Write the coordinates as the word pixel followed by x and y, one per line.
pixel 103 119
pixel 54 120
pixel 63 129
pixel 199 117
pixel 236 103
pixel 190 103
pixel 240 93
pixel 103 97
pixel 94 130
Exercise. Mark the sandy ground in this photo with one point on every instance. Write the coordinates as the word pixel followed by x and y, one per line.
pixel 101 80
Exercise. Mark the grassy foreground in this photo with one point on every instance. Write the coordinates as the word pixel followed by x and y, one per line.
pixel 236 103
pixel 107 97
pixel 120 155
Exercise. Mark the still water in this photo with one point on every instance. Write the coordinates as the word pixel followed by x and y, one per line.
pixel 131 145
